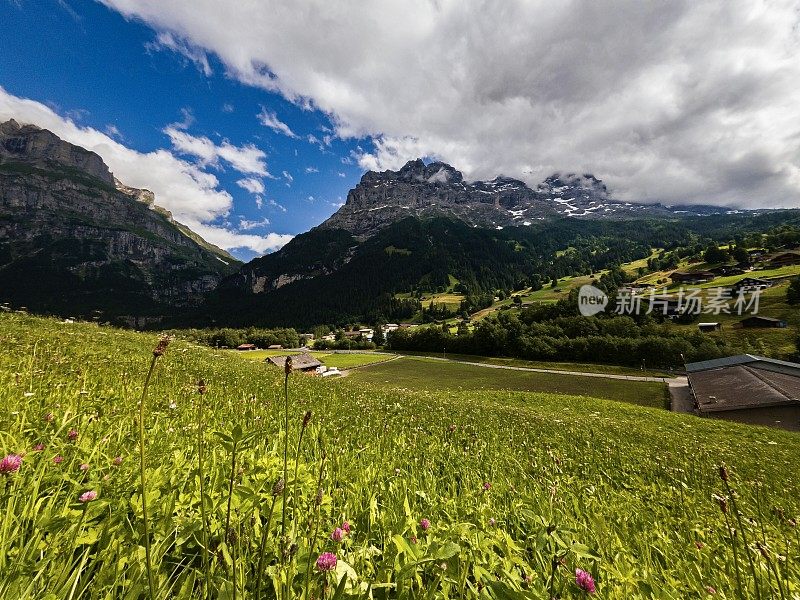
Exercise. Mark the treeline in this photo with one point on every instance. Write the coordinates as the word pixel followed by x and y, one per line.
pixel 344 344
pixel 554 334
pixel 228 337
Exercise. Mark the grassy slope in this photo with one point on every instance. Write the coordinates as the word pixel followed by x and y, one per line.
pixel 630 486
pixel 425 374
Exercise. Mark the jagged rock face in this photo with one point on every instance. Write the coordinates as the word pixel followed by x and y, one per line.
pixel 422 190
pixel 73 239
pixel 42 148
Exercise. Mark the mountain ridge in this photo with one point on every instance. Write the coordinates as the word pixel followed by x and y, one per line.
pixel 437 188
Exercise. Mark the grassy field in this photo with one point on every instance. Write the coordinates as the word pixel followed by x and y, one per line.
pixel 556 366
pixel 774 342
pixel 417 373
pixel 330 359
pixel 446 493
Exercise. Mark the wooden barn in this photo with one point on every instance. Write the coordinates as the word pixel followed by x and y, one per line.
pixel 757 321
pixel 300 362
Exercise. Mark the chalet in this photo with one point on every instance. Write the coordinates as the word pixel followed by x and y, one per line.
pixel 366 333
pixel 784 259
pixel 390 327
pixel 625 288
pixel 756 253
pixel 300 362
pixel 663 305
pixel 246 347
pixel 757 321
pixel 747 389
pixel 750 284
pixel 352 335
pixel 692 277
pixel 275 347
pixel 709 327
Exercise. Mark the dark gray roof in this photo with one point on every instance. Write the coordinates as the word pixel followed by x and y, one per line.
pixel 742 382
pixel 760 318
pixel 739 359
pixel 299 361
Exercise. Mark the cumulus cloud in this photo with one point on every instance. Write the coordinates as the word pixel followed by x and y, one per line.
pixel 226 238
pixel 190 193
pixel 252 185
pixel 269 119
pixel 246 225
pixel 244 159
pixel 673 101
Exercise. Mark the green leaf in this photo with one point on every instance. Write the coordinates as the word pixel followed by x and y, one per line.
pixel 340 587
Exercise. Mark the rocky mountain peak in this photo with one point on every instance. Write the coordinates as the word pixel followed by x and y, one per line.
pixel 41 148
pixel 561 183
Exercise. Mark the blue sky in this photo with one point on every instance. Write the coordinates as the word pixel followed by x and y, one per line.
pixel 90 65
pixel 673 102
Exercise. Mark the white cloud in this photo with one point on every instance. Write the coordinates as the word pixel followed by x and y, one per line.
pixel 246 225
pixel 312 170
pixel 252 185
pixel 669 101
pixel 275 204
pixel 269 119
pixel 259 202
pixel 227 107
pixel 191 194
pixel 167 41
pixel 228 239
pixel 112 131
pixel 244 159
pixel 288 177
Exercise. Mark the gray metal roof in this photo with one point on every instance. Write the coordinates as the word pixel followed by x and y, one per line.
pixel 760 318
pixel 739 359
pixel 299 361
pixel 744 386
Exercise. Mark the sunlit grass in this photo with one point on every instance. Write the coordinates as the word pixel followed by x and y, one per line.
pixel 519 489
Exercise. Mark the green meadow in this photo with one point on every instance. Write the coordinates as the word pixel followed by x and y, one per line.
pixel 419 373
pixel 259 484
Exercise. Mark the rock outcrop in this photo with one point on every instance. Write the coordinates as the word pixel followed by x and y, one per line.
pixel 438 189
pixel 73 240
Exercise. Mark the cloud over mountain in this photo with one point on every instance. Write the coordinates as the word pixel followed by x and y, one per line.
pixel 192 194
pixel 673 101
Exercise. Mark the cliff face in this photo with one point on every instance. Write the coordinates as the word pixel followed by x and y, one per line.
pixel 73 240
pixel 437 189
